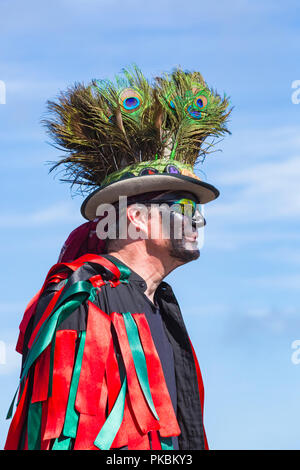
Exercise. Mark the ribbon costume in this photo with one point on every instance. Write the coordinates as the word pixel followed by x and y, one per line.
pixel 91 377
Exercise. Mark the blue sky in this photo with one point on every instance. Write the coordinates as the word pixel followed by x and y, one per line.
pixel 240 300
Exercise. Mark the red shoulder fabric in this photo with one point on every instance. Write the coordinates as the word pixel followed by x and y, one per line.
pixel 82 241
pixel 58 276
pixel 98 339
pixel 29 311
pixel 45 315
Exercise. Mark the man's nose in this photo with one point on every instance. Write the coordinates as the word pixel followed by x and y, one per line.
pixel 191 228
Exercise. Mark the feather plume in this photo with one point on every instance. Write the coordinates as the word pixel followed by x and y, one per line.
pixel 106 126
pixel 193 112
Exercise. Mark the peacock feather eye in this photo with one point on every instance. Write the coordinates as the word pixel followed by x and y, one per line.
pixel 130 100
pixel 193 112
pixel 200 102
pixel 171 101
pixel 171 98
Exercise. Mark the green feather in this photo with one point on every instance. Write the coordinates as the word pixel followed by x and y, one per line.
pixel 107 126
pixel 187 125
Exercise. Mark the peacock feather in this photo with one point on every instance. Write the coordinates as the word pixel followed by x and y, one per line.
pixel 108 127
pixel 192 111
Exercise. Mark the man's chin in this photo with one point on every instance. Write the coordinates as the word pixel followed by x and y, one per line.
pixel 186 252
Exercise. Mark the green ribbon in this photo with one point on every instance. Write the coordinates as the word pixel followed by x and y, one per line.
pixel 51 365
pixel 72 417
pixel 10 410
pixel 112 425
pixel 62 443
pixel 34 423
pixel 124 272
pixel 139 359
pixel 166 443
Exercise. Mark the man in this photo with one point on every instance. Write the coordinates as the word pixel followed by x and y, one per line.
pixel 107 361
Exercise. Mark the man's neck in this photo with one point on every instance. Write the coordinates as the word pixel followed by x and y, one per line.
pixel 150 268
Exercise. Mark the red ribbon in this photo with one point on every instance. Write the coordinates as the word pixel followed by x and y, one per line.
pixel 44 317
pixel 161 398
pixel 54 276
pixel 88 258
pixel 41 376
pixel 144 418
pixel 45 444
pixel 129 433
pixel 155 441
pixel 62 373
pixel 96 348
pixel 29 312
pixel 14 433
pixel 201 390
pixel 90 425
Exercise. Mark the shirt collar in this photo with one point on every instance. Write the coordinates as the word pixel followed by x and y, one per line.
pixel 133 277
pixel 163 290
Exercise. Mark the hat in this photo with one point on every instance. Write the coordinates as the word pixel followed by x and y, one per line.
pixel 130 136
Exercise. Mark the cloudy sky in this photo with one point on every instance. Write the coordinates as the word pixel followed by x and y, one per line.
pixel 240 300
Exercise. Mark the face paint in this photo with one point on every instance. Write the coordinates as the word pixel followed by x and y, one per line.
pixel 186 206
pixel 184 248
pixel 181 224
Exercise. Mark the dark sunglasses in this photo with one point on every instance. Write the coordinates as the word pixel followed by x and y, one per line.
pixel 183 206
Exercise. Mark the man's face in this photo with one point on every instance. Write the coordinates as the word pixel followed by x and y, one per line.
pixel 178 233
pixel 184 248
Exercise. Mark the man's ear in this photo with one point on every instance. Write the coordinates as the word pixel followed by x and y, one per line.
pixel 137 215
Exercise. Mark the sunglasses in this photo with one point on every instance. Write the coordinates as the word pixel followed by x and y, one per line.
pixel 183 206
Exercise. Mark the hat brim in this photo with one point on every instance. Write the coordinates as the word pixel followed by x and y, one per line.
pixel 147 183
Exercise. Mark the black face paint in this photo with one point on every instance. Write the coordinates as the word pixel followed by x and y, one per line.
pixel 179 248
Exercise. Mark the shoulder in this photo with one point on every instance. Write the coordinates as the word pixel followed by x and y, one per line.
pixel 82 269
